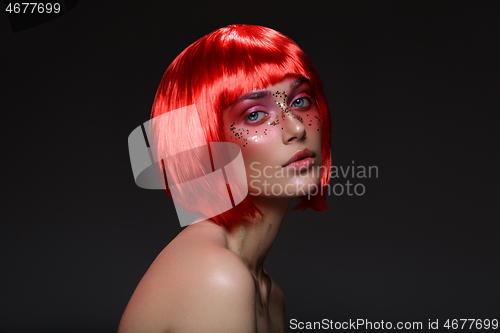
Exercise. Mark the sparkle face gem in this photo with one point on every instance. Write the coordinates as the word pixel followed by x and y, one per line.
pixel 237 133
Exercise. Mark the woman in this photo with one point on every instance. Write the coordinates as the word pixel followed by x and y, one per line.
pixel 254 87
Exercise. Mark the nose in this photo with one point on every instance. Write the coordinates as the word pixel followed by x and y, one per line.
pixel 293 128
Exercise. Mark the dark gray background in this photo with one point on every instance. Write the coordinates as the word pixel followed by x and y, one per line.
pixel 413 88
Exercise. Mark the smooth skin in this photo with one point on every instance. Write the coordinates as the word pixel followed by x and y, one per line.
pixel 210 278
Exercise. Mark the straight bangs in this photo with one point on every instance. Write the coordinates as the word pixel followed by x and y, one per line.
pixel 212 73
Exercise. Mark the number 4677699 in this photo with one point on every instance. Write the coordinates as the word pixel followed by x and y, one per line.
pixel 33 7
pixel 471 324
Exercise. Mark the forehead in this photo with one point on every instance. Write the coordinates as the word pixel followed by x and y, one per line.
pixel 288 83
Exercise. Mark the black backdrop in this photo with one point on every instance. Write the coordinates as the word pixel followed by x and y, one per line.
pixel 413 88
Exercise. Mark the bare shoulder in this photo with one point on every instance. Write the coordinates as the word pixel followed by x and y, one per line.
pixel 195 285
pixel 277 293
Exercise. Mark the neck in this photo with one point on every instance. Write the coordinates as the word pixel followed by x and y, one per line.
pixel 253 239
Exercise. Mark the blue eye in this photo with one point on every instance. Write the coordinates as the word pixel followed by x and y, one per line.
pixel 256 116
pixel 301 102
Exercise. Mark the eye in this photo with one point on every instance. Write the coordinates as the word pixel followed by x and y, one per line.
pixel 255 116
pixel 302 102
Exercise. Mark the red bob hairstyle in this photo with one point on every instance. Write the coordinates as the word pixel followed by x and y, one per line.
pixel 222 66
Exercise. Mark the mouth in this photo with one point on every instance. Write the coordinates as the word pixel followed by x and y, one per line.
pixel 302 159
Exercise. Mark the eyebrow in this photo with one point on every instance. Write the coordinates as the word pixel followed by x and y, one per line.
pixel 297 83
pixel 253 95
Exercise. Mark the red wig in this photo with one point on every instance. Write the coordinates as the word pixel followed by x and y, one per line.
pixel 220 67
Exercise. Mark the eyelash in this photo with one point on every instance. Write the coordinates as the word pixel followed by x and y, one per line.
pixel 303 98
pixel 255 121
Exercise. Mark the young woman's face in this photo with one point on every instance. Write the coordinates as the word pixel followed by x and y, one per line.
pixel 279 132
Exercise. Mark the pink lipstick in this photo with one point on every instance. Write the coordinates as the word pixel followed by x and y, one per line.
pixel 303 159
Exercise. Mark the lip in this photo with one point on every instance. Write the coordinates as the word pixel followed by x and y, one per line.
pixel 301 159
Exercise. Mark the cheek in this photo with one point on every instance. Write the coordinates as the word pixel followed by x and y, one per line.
pixel 258 155
pixel 239 135
pixel 260 149
pixel 260 146
pixel 246 136
pixel 312 122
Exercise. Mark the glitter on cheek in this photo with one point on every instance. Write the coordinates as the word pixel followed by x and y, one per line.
pixel 245 135
pixel 274 123
pixel 237 133
pixel 319 122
